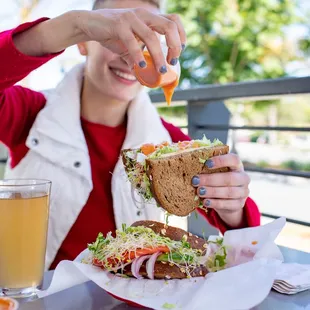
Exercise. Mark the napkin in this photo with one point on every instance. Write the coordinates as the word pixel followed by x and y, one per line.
pixel 292 278
pixel 254 267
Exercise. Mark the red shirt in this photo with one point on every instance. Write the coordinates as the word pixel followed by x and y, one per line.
pixel 19 107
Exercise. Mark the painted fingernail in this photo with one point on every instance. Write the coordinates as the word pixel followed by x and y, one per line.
pixel 163 69
pixel 207 203
pixel 195 181
pixel 142 64
pixel 174 61
pixel 183 47
pixel 209 163
pixel 202 191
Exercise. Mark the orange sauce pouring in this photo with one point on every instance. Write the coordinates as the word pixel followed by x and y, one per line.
pixel 151 78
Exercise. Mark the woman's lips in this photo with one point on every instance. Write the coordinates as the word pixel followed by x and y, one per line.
pixel 123 77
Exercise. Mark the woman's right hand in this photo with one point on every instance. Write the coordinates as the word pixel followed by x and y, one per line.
pixel 125 31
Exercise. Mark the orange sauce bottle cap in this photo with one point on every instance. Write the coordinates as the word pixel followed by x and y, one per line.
pixel 150 77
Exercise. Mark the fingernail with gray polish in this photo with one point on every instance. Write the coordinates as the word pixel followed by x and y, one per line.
pixel 202 191
pixel 195 181
pixel 207 203
pixel 163 69
pixel 174 61
pixel 209 163
pixel 183 47
pixel 142 64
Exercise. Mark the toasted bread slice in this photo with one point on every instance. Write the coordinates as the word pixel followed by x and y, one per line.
pixel 165 270
pixel 171 178
pixel 174 233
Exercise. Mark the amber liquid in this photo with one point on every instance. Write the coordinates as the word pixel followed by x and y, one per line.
pixel 23 233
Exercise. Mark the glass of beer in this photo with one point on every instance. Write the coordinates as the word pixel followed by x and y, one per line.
pixel 24 209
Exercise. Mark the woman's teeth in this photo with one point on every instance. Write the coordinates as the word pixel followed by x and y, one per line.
pixel 123 75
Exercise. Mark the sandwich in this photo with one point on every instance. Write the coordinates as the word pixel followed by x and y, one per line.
pixel 153 250
pixel 164 172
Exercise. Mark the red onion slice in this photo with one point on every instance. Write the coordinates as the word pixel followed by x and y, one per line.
pixel 136 265
pixel 150 265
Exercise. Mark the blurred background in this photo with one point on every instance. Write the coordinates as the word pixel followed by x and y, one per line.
pixel 249 59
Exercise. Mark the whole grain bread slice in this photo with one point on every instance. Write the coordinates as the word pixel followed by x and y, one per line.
pixel 174 233
pixel 171 178
pixel 166 270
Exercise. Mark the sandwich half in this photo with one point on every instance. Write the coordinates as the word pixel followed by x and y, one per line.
pixel 164 172
pixel 153 250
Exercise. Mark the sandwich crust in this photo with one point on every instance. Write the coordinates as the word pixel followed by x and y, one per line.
pixel 164 270
pixel 171 178
pixel 174 233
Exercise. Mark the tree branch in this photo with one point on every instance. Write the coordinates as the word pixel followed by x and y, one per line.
pixel 234 54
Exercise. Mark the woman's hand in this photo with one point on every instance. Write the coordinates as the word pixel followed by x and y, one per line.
pixel 225 192
pixel 123 31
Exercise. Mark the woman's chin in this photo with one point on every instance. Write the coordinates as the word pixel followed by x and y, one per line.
pixel 125 94
pixel 122 97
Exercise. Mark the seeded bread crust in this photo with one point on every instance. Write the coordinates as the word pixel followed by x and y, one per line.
pixel 171 178
pixel 174 233
pixel 162 270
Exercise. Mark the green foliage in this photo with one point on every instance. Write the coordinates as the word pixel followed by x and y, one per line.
pixel 287 165
pixel 255 136
pixel 178 111
pixel 294 165
pixel 263 164
pixel 241 40
pixel 288 113
pixel 304 43
pixel 291 110
pixel 234 40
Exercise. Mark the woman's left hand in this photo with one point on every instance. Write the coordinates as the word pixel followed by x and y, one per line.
pixel 225 192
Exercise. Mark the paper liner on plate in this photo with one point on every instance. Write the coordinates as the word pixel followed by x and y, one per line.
pixel 252 255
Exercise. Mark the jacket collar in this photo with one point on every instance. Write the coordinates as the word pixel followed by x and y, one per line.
pixel 58 125
pixel 62 121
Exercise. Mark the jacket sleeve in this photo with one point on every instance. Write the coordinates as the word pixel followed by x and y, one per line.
pixel 251 214
pixel 251 217
pixel 19 106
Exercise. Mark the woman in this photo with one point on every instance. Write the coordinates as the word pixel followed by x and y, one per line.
pixel 73 134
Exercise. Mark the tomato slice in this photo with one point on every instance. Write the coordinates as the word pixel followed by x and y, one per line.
pixel 111 262
pixel 127 257
pixel 148 148
pixel 142 252
pixel 184 144
pixel 97 262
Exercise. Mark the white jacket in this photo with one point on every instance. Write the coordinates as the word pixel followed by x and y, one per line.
pixel 56 144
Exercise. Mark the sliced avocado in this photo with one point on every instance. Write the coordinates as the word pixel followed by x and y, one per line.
pixel 175 257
